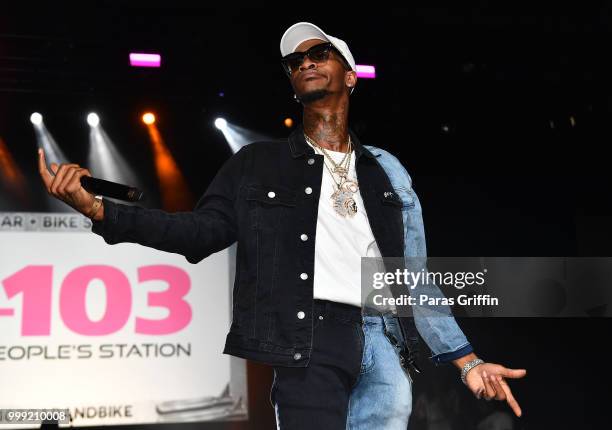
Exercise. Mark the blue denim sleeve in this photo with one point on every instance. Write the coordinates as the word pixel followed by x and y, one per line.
pixel 435 324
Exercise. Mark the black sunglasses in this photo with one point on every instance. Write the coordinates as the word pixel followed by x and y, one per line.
pixel 318 53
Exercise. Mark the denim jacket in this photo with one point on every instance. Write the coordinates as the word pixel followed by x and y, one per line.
pixel 440 332
pixel 265 198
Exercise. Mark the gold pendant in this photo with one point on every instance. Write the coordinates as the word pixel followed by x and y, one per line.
pixel 340 171
pixel 343 201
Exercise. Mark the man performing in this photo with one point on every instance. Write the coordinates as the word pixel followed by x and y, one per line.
pixel 297 302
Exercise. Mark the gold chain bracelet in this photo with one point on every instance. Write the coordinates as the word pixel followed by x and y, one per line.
pixel 95 207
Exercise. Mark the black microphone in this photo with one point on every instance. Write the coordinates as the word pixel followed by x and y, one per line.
pixel 111 189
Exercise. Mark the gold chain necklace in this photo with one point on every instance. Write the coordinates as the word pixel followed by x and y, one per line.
pixel 343 200
pixel 338 168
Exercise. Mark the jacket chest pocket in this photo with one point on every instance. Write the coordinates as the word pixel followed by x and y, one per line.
pixel 401 197
pixel 269 206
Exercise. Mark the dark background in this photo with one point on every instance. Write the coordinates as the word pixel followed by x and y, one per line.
pixel 475 101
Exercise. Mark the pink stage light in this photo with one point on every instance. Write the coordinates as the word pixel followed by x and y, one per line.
pixel 145 60
pixel 367 72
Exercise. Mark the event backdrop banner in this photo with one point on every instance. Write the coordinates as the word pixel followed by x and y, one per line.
pixel 119 334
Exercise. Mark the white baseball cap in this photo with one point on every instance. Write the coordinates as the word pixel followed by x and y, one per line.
pixel 302 31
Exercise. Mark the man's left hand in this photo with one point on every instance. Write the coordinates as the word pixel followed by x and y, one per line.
pixel 487 381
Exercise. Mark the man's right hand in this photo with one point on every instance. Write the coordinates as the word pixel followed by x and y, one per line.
pixel 65 185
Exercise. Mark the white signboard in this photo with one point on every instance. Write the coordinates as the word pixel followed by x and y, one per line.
pixel 119 334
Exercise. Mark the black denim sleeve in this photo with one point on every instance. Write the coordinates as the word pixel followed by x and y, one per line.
pixel 210 227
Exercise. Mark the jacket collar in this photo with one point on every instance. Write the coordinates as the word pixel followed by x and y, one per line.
pixel 299 147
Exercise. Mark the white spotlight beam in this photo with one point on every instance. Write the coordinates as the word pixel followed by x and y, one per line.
pixel 106 162
pixel 237 137
pixel 53 154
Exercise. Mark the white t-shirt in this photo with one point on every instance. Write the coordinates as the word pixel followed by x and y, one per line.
pixel 340 242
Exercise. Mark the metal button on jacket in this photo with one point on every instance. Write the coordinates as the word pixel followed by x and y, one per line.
pixel 308 190
pixel 271 194
pixel 311 161
pixel 301 315
pixel 297 356
pixel 304 237
pixel 304 276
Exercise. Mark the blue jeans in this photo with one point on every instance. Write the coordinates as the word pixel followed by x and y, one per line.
pixel 353 380
pixel 382 397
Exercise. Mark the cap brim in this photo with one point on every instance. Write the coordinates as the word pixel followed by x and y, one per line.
pixel 297 34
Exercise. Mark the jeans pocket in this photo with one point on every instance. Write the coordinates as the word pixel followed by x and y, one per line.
pixel 393 333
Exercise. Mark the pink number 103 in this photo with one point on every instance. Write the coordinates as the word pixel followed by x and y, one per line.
pixel 35 284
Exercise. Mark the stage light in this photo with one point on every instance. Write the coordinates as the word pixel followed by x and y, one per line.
pixel 364 71
pixel 175 193
pixel 106 159
pixel 12 177
pixel 237 136
pixel 138 59
pixel 220 123
pixel 288 122
pixel 148 118
pixel 93 119
pixel 36 118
